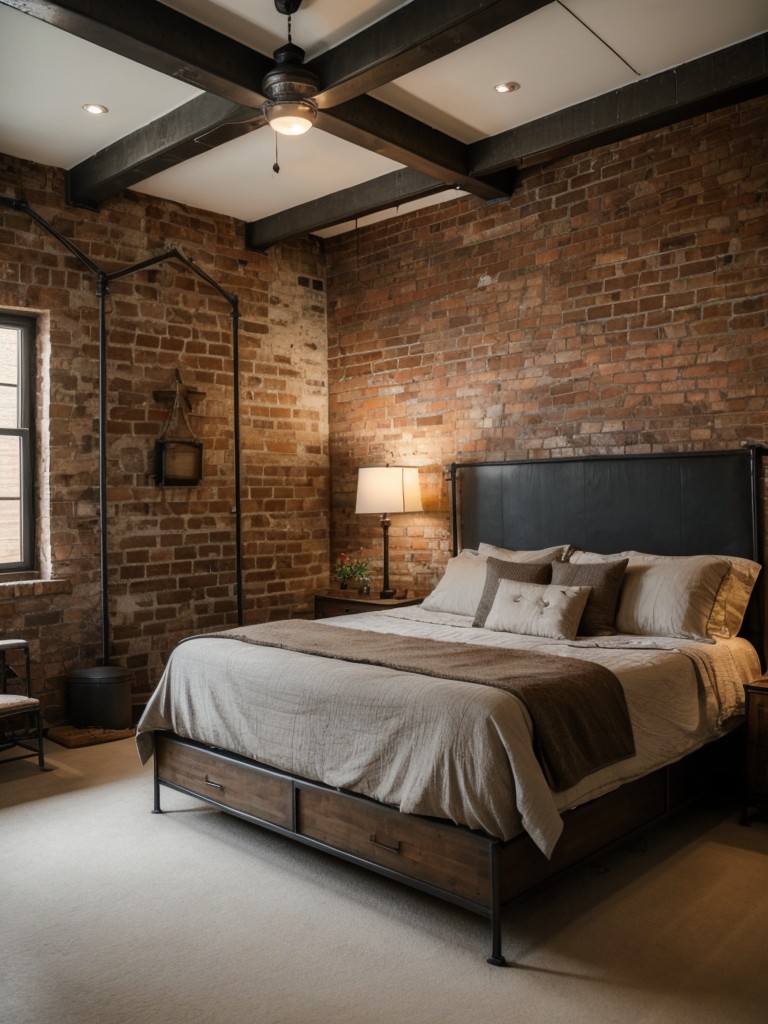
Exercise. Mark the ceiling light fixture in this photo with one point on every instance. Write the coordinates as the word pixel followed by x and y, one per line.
pixel 289 87
pixel 95 108
pixel 506 87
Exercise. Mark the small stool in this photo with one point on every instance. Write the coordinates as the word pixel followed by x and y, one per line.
pixel 19 705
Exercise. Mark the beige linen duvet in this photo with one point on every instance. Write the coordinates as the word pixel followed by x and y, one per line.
pixel 433 746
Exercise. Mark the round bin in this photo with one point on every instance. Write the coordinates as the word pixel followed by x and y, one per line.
pixel 100 697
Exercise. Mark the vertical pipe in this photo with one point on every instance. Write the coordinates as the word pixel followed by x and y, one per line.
pixel 238 500
pixel 103 291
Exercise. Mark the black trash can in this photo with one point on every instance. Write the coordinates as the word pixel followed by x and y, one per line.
pixel 100 697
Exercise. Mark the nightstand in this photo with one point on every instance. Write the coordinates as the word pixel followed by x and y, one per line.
pixel 344 602
pixel 756 710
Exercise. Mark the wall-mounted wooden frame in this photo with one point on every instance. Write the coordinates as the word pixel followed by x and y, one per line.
pixel 178 463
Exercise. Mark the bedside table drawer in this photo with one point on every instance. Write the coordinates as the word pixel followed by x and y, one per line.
pixel 757 716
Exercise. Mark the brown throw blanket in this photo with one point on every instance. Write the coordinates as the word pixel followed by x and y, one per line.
pixel 578 708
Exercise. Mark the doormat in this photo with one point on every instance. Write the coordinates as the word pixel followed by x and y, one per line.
pixel 69 736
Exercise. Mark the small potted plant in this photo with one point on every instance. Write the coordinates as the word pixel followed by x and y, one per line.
pixel 349 569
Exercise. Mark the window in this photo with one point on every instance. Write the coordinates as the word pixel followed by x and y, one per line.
pixel 16 443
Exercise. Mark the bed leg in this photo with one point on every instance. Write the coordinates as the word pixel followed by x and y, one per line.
pixel 156 809
pixel 495 959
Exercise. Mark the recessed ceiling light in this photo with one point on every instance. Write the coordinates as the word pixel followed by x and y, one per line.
pixel 95 108
pixel 507 86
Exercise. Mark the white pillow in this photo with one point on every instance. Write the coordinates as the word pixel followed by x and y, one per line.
pixel 555 554
pixel 537 610
pixel 732 597
pixel 461 587
pixel 670 596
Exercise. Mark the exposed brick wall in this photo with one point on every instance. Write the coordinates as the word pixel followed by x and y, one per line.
pixel 171 551
pixel 617 302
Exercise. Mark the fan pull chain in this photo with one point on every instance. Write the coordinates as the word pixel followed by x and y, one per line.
pixel 289 29
pixel 276 164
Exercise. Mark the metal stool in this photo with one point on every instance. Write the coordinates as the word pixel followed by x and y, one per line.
pixel 19 705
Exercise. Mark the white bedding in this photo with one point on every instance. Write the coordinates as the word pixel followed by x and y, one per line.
pixel 439 747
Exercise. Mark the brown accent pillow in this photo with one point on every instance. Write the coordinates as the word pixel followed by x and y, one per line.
pixel 501 569
pixel 605 579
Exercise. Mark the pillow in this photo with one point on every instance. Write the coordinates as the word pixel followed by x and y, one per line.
pixel 670 596
pixel 604 579
pixel 732 598
pixel 461 587
pixel 501 569
pixel 552 611
pixel 543 555
pixel 578 557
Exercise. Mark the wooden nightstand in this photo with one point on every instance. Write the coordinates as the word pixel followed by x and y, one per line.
pixel 345 602
pixel 756 709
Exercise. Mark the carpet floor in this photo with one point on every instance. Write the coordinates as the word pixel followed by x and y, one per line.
pixel 113 915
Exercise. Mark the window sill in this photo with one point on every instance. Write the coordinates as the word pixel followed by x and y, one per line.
pixel 26 587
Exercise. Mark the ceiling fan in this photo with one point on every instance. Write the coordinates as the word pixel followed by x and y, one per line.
pixel 289 88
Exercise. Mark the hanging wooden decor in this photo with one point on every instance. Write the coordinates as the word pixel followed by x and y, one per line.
pixel 178 459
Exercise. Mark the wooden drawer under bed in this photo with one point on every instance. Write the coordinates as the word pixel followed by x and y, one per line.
pixel 429 853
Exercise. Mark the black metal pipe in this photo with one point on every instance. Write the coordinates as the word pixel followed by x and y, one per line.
pixel 103 291
pixel 103 278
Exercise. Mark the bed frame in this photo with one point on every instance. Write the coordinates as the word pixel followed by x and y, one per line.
pixel 691 503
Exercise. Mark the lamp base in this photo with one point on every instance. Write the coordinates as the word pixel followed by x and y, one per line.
pixel 387 594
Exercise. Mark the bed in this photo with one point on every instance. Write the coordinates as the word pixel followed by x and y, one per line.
pixel 432 744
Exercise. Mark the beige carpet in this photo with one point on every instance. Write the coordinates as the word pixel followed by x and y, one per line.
pixel 111 914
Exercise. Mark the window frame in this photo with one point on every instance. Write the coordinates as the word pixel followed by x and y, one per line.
pixel 25 431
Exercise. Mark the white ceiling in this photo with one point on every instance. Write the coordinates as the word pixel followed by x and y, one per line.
pixel 562 54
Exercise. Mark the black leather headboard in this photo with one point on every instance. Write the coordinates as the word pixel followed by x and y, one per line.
pixel 681 504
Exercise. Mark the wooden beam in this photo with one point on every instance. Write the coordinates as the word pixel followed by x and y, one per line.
pixel 719 79
pixel 378 194
pixel 158 37
pixel 233 72
pixel 410 37
pixel 171 139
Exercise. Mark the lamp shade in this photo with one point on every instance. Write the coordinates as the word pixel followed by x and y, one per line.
pixel 383 489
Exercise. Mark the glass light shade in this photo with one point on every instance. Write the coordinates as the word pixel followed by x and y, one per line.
pixel 294 117
pixel 383 489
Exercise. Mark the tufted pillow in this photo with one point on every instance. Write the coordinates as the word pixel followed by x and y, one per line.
pixel 550 611
pixel 604 579
pixel 502 569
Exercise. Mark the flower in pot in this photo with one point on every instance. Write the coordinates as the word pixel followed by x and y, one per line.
pixel 349 569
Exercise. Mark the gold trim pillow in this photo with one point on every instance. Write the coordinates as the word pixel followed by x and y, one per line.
pixel 552 611
pixel 731 600
pixel 670 596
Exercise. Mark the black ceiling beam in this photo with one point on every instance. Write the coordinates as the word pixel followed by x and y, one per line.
pixel 709 83
pixel 380 193
pixel 429 31
pixel 373 125
pixel 407 39
pixel 169 140
pixel 158 37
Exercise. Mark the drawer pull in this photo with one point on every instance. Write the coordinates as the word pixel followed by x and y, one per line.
pixel 214 785
pixel 384 846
